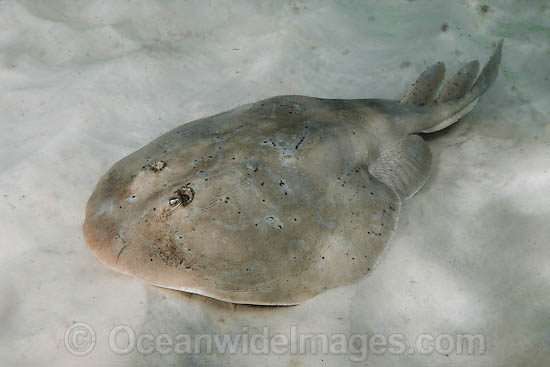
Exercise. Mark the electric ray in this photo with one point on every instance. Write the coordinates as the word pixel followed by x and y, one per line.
pixel 273 202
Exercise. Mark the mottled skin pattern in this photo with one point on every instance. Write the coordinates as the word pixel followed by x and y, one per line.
pixel 284 205
pixel 282 201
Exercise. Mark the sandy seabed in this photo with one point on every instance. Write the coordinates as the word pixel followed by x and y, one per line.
pixel 85 83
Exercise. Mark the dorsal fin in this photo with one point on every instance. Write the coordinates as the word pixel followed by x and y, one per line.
pixel 457 86
pixel 425 88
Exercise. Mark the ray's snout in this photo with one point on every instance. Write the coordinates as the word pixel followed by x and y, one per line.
pixel 133 204
pixel 100 225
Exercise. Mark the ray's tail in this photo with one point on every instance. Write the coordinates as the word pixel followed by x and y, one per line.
pixel 458 96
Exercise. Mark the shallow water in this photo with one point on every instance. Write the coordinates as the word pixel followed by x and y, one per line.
pixel 86 83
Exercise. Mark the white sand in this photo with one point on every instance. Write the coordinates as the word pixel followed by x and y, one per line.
pixel 84 83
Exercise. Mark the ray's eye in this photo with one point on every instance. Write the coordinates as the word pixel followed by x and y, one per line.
pixel 175 201
pixel 183 197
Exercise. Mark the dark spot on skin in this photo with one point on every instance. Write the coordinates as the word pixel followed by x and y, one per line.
pixel 484 8
pixel 295 219
pixel 262 184
pixel 444 27
pixel 300 142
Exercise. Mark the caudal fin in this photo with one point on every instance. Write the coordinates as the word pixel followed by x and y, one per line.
pixel 488 74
